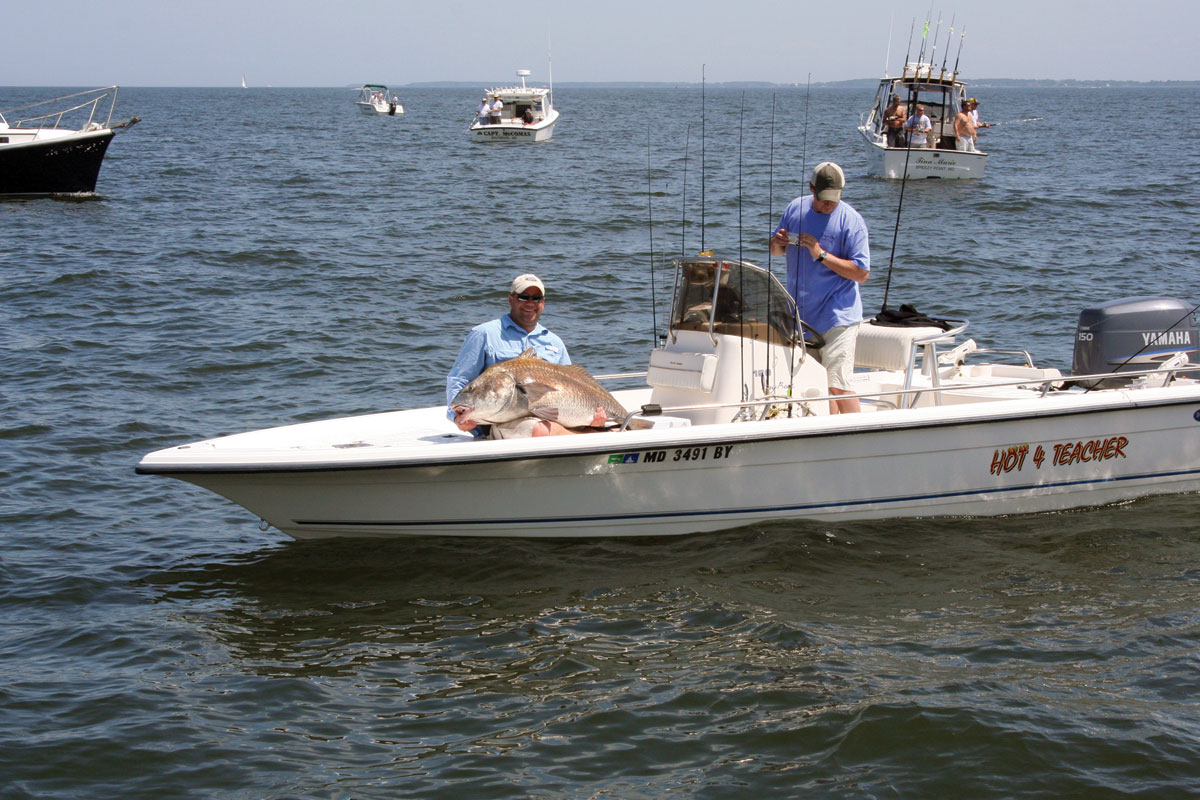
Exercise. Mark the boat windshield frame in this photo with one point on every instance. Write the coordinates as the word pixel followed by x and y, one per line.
pixel 749 301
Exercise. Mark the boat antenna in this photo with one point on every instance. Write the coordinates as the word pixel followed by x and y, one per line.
pixel 949 39
pixel 702 67
pixel 650 223
pixel 550 68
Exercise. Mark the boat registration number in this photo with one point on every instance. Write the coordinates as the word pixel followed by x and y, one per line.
pixel 708 453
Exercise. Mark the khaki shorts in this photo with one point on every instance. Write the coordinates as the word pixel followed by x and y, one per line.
pixel 837 356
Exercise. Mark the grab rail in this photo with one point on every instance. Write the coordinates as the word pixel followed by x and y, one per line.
pixel 58 115
pixel 1045 383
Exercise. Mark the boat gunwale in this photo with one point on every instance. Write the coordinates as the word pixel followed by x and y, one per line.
pixel 759 431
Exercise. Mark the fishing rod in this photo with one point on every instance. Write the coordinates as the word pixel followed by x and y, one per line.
pixel 702 81
pixel 771 185
pixel 804 140
pixel 887 286
pixel 924 40
pixel 959 55
pixel 888 56
pixel 683 219
pixel 1011 121
pixel 770 269
pixel 908 52
pixel 741 271
pixel 650 222
pixel 933 55
pixel 949 39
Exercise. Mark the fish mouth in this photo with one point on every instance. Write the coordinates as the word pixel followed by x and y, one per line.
pixel 462 411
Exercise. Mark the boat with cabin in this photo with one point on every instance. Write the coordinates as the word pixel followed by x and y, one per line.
pixel 57 146
pixel 528 113
pixel 943 95
pixel 375 98
pixel 730 425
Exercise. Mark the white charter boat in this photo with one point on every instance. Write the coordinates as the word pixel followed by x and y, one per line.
pixel 57 146
pixel 943 95
pixel 375 98
pixel 528 115
pixel 741 433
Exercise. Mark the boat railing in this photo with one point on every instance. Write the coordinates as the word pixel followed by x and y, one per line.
pixel 55 118
pixel 1161 375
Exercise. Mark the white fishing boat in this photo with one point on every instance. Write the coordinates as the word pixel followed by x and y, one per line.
pixel 740 433
pixel 528 114
pixel 375 98
pixel 942 94
pixel 57 146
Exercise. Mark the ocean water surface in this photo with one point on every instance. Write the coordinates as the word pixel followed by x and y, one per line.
pixel 264 256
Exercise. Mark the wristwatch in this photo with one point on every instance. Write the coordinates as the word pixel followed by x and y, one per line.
pixel 822 256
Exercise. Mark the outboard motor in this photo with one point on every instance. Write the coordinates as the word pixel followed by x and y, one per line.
pixel 1137 333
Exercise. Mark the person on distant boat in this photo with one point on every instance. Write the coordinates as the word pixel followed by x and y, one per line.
pixel 893 118
pixel 830 258
pixel 919 126
pixel 482 112
pixel 497 107
pixel 964 130
pixel 505 338
pixel 528 116
pixel 975 116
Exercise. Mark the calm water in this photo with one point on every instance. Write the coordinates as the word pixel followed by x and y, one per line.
pixel 267 256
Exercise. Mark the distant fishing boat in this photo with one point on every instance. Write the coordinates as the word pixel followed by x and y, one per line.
pixel 59 149
pixel 374 98
pixel 528 113
pixel 943 95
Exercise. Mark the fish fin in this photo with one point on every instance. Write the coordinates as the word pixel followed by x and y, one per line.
pixel 535 390
pixel 545 412
pixel 529 352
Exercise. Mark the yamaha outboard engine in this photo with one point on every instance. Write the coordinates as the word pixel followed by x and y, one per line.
pixel 1137 333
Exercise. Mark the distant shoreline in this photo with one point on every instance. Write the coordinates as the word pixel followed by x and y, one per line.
pixel 859 83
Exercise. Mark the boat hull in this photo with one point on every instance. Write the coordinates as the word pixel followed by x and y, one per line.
pixel 920 162
pixel 386 109
pixel 514 131
pixel 51 162
pixel 1008 457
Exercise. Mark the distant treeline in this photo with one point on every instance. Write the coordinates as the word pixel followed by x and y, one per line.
pixel 860 83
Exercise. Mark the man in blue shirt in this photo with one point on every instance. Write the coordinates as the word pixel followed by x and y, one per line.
pixel 828 256
pixel 505 338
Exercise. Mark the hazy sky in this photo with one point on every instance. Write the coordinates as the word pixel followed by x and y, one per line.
pixel 323 43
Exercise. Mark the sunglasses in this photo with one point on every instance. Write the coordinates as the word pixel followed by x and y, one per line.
pixel 531 298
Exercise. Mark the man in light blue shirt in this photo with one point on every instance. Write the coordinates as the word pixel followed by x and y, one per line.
pixel 828 256
pixel 505 338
